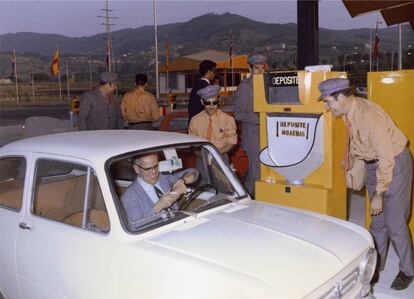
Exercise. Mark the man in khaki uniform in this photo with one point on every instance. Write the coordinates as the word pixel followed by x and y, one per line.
pixel 139 107
pixel 375 139
pixel 213 124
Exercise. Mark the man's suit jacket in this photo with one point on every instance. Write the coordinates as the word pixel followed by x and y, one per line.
pixel 138 205
pixel 95 114
pixel 243 112
pixel 194 103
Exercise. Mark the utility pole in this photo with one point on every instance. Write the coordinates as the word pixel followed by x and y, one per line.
pixel 110 63
pixel 156 49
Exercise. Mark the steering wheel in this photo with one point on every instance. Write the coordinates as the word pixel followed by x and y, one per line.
pixel 193 195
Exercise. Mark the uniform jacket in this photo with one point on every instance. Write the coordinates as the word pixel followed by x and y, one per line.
pixel 139 105
pixel 95 114
pixel 243 112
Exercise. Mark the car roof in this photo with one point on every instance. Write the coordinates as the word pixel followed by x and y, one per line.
pixel 102 144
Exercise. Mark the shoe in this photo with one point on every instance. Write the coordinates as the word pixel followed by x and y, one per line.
pixel 375 277
pixel 401 282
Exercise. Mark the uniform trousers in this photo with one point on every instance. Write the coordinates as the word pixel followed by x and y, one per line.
pixel 253 172
pixel 141 126
pixel 391 224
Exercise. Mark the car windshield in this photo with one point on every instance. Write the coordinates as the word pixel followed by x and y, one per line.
pixel 164 185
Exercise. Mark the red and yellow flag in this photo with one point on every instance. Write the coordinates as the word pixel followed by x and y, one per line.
pixel 54 69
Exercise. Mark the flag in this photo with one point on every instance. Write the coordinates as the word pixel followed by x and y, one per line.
pixel 166 52
pixel 231 49
pixel 376 44
pixel 13 61
pixel 54 69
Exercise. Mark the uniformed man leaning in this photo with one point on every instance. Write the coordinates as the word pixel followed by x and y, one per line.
pixel 375 139
pixel 139 107
pixel 213 124
pixel 243 112
pixel 99 108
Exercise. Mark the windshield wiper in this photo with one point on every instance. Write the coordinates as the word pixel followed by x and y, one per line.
pixel 217 202
pixel 158 219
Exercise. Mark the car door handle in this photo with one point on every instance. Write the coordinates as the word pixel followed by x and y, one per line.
pixel 23 225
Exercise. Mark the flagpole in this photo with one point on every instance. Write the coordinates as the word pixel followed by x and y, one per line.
pixel 156 49
pixel 67 81
pixel 232 65
pixel 370 50
pixel 90 72
pixel 399 48
pixel 31 75
pixel 166 64
pixel 15 76
pixel 60 85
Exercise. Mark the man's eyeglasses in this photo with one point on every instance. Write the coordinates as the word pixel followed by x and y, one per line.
pixel 208 103
pixel 155 167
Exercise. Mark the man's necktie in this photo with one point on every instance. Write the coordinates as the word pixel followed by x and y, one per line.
pixel 158 192
pixel 347 145
pixel 210 129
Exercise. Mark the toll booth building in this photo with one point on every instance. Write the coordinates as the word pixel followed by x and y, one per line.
pixel 183 72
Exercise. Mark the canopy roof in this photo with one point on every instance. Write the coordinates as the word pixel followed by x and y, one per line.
pixel 393 12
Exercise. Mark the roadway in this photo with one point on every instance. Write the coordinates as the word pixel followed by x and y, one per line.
pixel 16 114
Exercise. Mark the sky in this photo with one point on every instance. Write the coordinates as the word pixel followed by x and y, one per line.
pixel 80 18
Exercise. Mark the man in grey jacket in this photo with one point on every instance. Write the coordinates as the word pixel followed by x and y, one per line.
pixel 243 112
pixel 153 192
pixel 99 109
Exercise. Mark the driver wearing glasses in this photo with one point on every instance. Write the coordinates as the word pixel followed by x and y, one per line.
pixel 152 191
pixel 213 124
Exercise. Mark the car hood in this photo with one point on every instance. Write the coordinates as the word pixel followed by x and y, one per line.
pixel 275 245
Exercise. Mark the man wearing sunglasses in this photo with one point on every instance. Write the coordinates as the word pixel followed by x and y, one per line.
pixel 213 124
pixel 152 191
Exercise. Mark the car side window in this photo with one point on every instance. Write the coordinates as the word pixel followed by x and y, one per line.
pixel 59 194
pixel 12 175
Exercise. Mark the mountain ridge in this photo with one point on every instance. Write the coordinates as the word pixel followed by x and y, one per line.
pixel 134 47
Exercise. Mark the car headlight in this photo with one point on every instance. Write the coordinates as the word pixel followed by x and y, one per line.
pixel 367 268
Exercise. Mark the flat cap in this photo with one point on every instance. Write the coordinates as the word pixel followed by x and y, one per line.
pixel 108 77
pixel 331 86
pixel 209 92
pixel 256 59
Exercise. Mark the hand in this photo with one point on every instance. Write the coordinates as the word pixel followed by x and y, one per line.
pixel 179 187
pixel 166 201
pixel 376 205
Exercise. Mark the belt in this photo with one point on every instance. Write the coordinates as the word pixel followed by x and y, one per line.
pixel 140 122
pixel 371 161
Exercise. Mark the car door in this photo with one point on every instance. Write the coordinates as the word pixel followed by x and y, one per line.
pixel 60 252
pixel 12 181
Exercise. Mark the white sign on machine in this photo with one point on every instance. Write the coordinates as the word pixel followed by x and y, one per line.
pixel 295 144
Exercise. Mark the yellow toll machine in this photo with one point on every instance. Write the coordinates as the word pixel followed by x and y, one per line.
pixel 394 92
pixel 301 145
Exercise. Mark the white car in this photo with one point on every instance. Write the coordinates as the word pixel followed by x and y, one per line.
pixel 64 231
